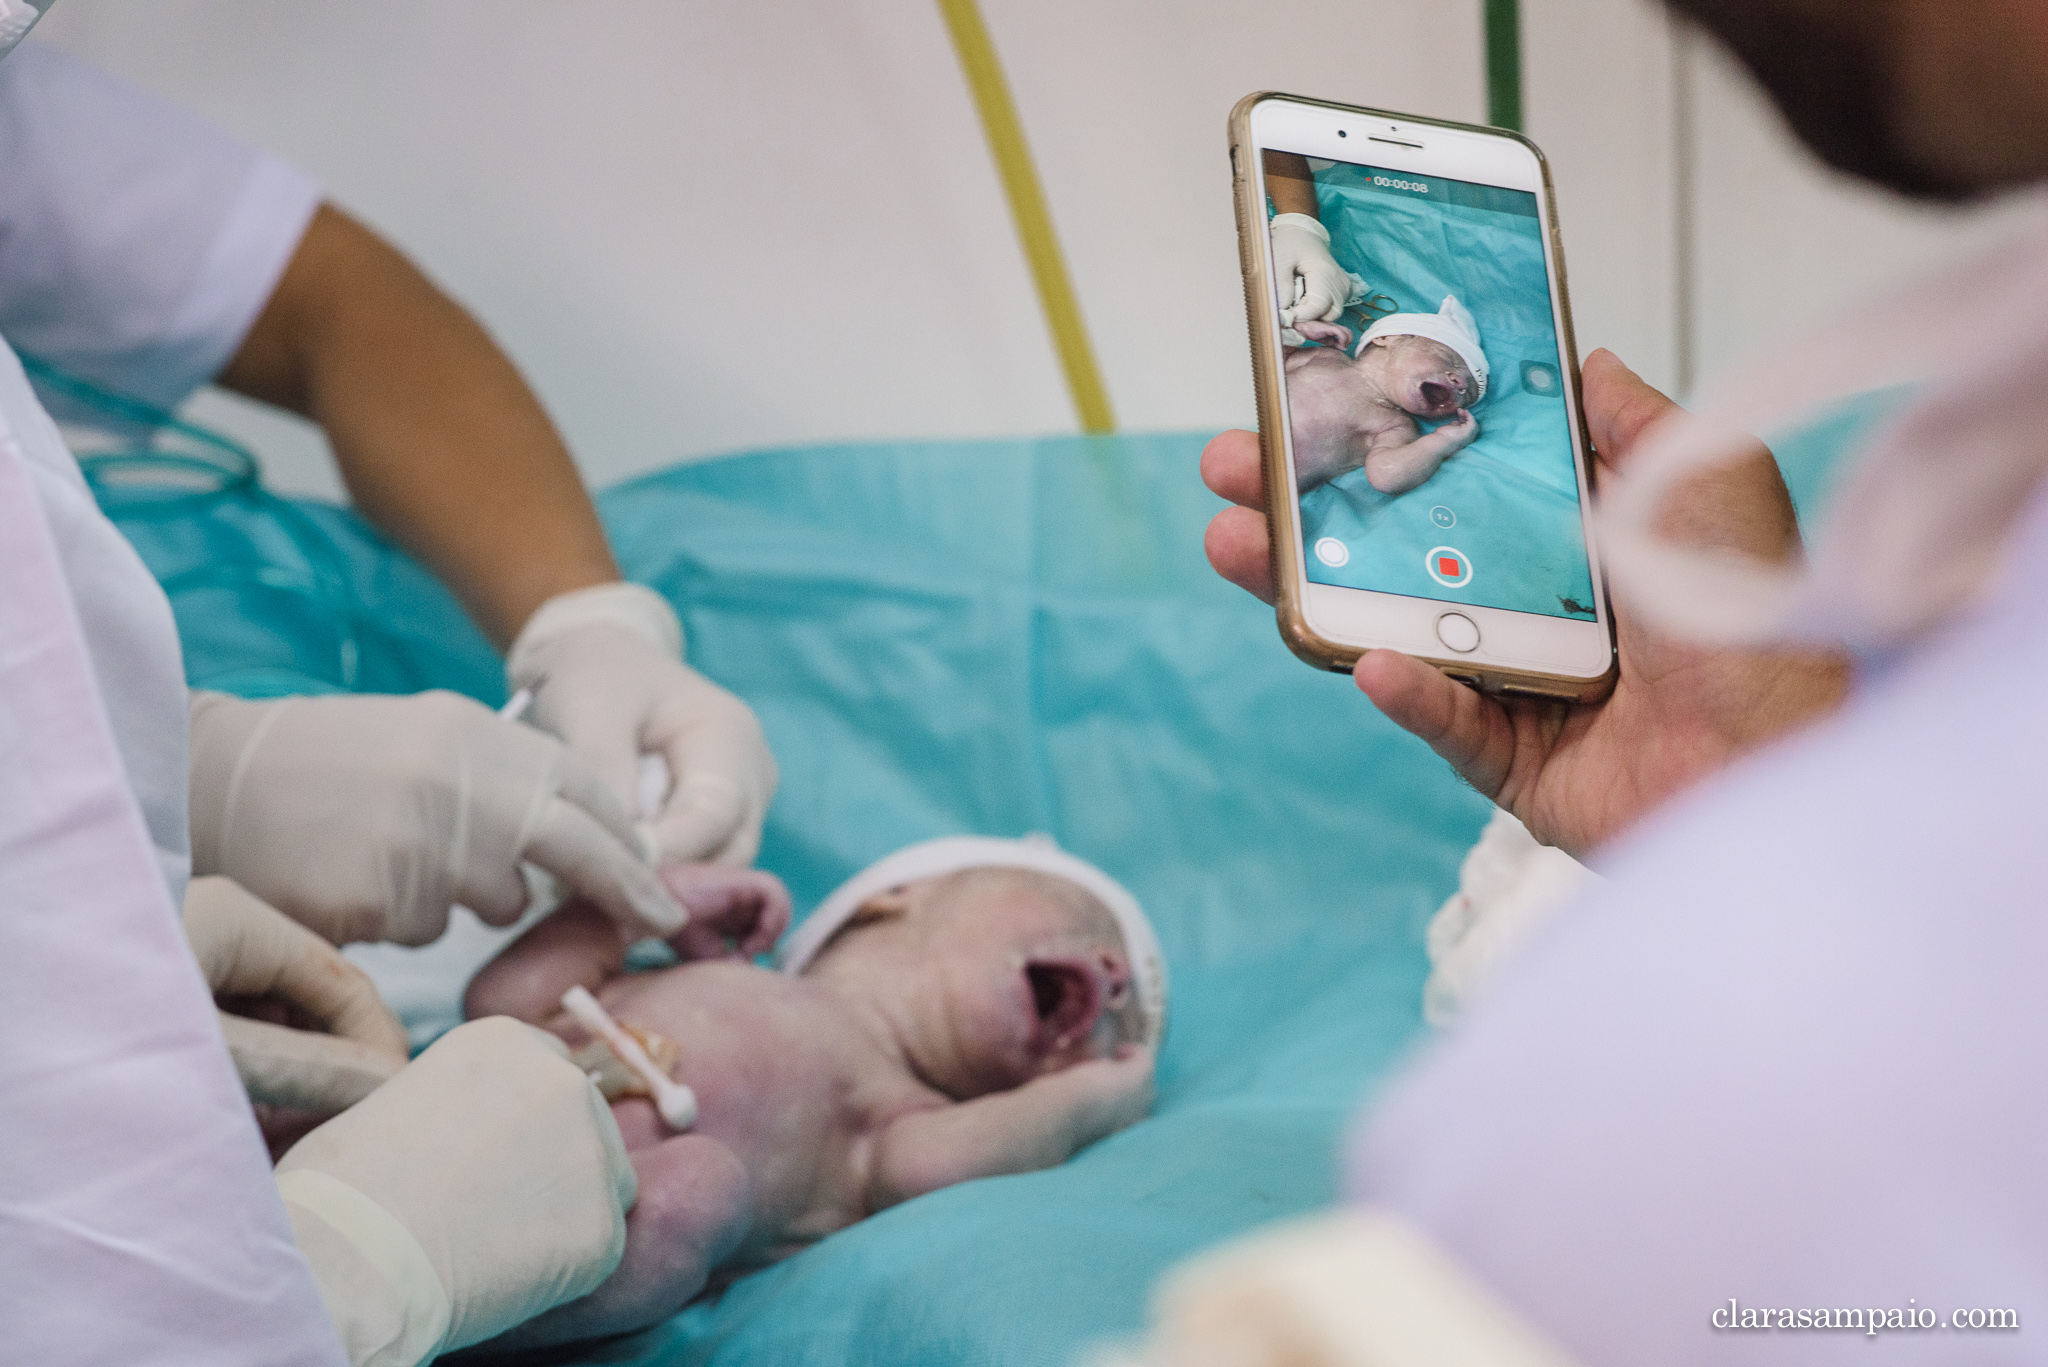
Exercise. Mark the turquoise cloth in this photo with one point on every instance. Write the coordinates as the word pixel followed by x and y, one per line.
pixel 993 637
pixel 1509 501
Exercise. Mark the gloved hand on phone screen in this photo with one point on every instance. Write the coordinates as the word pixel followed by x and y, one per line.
pixel 1301 248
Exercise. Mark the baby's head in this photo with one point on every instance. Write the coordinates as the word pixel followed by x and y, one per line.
pixel 1420 375
pixel 993 961
pixel 992 976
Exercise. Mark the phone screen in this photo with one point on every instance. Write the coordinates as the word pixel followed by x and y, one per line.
pixel 1427 422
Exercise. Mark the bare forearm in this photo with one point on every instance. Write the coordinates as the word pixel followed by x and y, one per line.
pixel 1397 469
pixel 439 440
pixel 1290 185
pixel 1009 1132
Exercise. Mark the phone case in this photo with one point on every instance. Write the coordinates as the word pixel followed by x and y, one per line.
pixel 1282 515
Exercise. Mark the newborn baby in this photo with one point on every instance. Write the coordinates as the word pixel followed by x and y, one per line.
pixel 957 1011
pixel 1348 412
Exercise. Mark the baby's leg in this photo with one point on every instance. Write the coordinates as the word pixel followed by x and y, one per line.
pixel 694 1209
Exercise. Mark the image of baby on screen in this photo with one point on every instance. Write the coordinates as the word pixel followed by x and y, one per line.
pixel 1426 390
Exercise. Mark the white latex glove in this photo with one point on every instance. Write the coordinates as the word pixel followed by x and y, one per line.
pixel 247 948
pixel 1301 247
pixel 485 1183
pixel 607 677
pixel 367 817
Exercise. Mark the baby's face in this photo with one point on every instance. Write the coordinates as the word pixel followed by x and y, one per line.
pixel 997 976
pixel 1421 376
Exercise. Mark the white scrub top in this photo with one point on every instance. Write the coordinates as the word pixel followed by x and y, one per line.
pixel 138 1218
pixel 137 245
pixel 1793 1054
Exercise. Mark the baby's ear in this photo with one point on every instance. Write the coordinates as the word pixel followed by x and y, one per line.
pixel 883 906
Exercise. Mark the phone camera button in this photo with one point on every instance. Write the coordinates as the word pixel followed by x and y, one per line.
pixel 1458 632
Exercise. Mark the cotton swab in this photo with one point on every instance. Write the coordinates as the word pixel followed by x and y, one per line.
pixel 516 705
pixel 676 1102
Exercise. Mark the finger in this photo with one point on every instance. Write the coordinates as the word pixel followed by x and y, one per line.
pixel 776 909
pixel 1741 504
pixel 1231 468
pixel 582 785
pixel 342 998
pixel 605 742
pixel 1620 407
pixel 303 1070
pixel 569 843
pixel 705 821
pixel 1240 551
pixel 1468 730
pixel 1316 303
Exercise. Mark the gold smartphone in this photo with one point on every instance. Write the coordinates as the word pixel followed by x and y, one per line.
pixel 1427 472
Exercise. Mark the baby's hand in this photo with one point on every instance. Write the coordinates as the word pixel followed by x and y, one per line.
pixel 1462 429
pixel 734 913
pixel 1110 1093
pixel 1329 334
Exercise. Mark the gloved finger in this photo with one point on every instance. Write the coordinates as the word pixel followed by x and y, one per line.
pixel 280 1066
pixel 606 742
pixel 570 843
pixel 706 821
pixel 581 785
pixel 1315 305
pixel 249 948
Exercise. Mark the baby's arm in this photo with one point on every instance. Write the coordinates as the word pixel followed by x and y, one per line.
pixel 577 945
pixel 732 912
pixel 1397 462
pixel 1039 1125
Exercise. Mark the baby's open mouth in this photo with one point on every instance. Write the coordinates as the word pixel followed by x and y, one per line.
pixel 1438 396
pixel 1066 997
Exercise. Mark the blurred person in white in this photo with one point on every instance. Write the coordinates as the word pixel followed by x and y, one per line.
pixel 139 1220
pixel 149 252
pixel 1782 1061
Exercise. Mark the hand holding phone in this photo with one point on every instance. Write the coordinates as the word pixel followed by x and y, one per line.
pixel 1677 713
pixel 1426 467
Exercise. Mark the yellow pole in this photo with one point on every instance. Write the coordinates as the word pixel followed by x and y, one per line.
pixel 1027 209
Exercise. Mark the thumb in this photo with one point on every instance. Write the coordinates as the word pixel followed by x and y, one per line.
pixel 1470 731
pixel 704 821
pixel 1620 406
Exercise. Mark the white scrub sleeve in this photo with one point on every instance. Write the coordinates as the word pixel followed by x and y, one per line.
pixel 140 241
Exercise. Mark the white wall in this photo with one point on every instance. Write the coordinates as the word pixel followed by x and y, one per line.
pixel 704 227
pixel 700 227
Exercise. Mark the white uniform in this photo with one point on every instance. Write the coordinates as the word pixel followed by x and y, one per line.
pixel 1805 1079
pixel 138 1219
pixel 137 244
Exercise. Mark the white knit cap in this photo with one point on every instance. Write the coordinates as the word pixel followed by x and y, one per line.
pixel 1452 325
pixel 952 854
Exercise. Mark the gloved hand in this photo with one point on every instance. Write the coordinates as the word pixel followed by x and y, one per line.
pixel 1301 247
pixel 486 1183
pixel 366 817
pixel 607 676
pixel 249 949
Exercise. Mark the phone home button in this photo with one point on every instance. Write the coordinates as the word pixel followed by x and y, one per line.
pixel 1458 632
